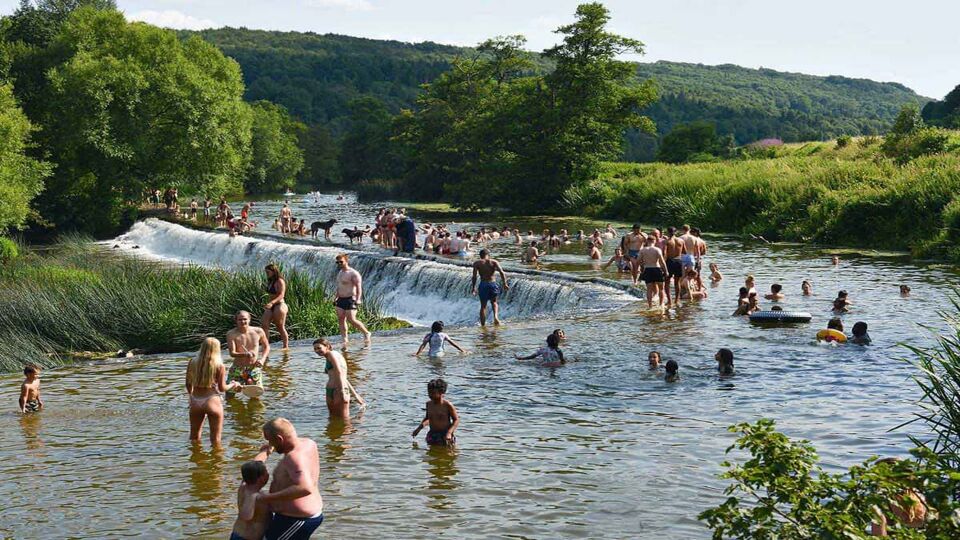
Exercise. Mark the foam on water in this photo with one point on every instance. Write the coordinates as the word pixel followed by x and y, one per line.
pixel 416 290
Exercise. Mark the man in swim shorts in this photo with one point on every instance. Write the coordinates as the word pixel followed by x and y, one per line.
pixel 294 497
pixel 691 248
pixel 654 270
pixel 244 343
pixel 349 297
pixel 673 250
pixel 488 291
pixel 633 243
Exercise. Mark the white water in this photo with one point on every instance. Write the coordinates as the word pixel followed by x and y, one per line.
pixel 419 291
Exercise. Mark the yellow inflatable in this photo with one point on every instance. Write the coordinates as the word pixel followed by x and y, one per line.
pixel 829 334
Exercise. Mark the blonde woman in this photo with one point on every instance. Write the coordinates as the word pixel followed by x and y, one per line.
pixel 206 379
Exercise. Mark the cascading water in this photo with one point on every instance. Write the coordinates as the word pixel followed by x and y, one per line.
pixel 419 291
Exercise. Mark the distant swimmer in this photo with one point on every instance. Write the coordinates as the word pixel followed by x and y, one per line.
pixel 286 219
pixel 30 390
pixel 349 297
pixel 441 416
pixel 715 275
pixel 860 335
pixel 532 255
pixel 654 270
pixel 904 290
pixel 776 293
pixel 653 360
pixel 294 496
pixel 672 371
pixel 338 391
pixel 750 283
pixel 724 358
pixel 275 310
pixel 691 286
pixel 435 340
pixel 623 264
pixel 841 304
pixel 743 302
pixel 488 290
pixel 205 380
pixel 593 251
pixel 253 515
pixel 611 231
pixel 806 288
pixel 244 343
pixel 550 356
pixel 835 260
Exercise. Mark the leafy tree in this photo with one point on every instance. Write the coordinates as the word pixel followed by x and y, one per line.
pixel 695 139
pixel 21 177
pixel 37 22
pixel 944 113
pixel 126 107
pixel 321 153
pixel 908 121
pixel 365 151
pixel 909 138
pixel 276 157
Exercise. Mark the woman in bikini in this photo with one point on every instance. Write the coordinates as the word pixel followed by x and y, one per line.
pixel 338 390
pixel 206 379
pixel 275 310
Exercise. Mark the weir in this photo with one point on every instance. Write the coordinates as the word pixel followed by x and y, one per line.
pixel 419 290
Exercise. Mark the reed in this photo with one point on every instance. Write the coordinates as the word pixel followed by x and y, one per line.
pixel 78 299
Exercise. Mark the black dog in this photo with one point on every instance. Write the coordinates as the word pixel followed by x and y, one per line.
pixel 325 225
pixel 356 234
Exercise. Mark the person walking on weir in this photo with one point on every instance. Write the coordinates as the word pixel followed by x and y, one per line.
pixel 488 291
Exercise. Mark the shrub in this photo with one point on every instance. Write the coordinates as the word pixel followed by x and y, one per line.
pixel 8 250
pixel 843 141
pixel 920 142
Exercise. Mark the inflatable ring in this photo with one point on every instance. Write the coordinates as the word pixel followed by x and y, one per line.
pixel 829 334
pixel 774 317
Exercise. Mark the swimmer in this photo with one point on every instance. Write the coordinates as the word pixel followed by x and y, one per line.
pixel 551 355
pixel 338 389
pixel 835 260
pixel 672 371
pixel 724 358
pixel 841 304
pixel 611 231
pixel 349 296
pixel 253 515
pixel 806 288
pixel 691 287
pixel 244 343
pixel 776 293
pixel 653 359
pixel 654 270
pixel 30 390
pixel 904 290
pixel 715 275
pixel 275 310
pixel 623 264
pixel 743 302
pixel 532 255
pixel 750 283
pixel 440 415
pixel 488 290
pixel 835 324
pixel 860 335
pixel 435 339
pixel 593 251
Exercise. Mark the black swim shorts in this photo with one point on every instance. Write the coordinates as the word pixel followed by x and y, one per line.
pixel 653 274
pixel 346 303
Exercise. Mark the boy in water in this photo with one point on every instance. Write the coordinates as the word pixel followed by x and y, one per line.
pixel 724 359
pixel 441 416
pixel 253 516
pixel 715 275
pixel 841 304
pixel 30 390
pixel 673 371
pixel 860 335
pixel 436 338
pixel 776 293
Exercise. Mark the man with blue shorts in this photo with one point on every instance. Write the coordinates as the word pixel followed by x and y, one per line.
pixel 488 291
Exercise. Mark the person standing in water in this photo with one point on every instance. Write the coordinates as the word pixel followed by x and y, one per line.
pixel 338 389
pixel 673 250
pixel 633 243
pixel 244 343
pixel 275 310
pixel 488 291
pixel 205 380
pixel 654 270
pixel 349 298
pixel 294 497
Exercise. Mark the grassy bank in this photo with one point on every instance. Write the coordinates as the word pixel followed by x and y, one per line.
pixel 75 299
pixel 805 192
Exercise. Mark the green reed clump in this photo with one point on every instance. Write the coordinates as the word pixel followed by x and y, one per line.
pixel 79 299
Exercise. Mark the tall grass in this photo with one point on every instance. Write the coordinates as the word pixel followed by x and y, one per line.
pixel 827 197
pixel 78 299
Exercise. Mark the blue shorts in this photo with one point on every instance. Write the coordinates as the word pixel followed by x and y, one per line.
pixel 292 528
pixel 488 291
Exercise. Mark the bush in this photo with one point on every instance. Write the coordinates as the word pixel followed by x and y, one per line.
pixel 843 141
pixel 920 142
pixel 8 250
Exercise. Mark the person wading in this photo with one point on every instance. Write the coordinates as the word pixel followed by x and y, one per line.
pixel 488 291
pixel 349 297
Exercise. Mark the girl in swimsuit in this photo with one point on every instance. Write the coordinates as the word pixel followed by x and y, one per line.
pixel 206 379
pixel 275 310
pixel 339 389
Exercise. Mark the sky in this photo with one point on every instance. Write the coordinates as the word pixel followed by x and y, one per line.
pixel 915 43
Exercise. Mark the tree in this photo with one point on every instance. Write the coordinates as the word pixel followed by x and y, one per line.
pixel 321 167
pixel 21 177
pixel 687 141
pixel 365 151
pixel 276 157
pixel 944 113
pixel 909 138
pixel 38 22
pixel 907 121
pixel 127 107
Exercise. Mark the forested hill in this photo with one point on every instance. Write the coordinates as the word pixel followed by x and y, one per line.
pixel 315 76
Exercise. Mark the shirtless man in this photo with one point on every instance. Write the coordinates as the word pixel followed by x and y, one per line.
pixel 691 247
pixel 633 243
pixel 654 269
pixel 673 250
pixel 349 298
pixel 532 255
pixel 286 218
pixel 244 343
pixel 488 291
pixel 701 249
pixel 294 497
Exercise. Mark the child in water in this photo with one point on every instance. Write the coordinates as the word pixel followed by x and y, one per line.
pixel 841 304
pixel 436 338
pixel 724 358
pixel 776 293
pixel 715 274
pixel 806 288
pixel 441 416
pixel 904 290
pixel 673 371
pixel 551 354
pixel 253 516
pixel 860 335
pixel 30 390
pixel 654 359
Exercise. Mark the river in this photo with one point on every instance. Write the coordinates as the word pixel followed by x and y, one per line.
pixel 599 448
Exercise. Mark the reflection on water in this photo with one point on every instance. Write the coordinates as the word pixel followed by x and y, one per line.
pixel 441 462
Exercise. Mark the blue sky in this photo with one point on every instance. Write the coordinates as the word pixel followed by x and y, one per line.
pixel 916 43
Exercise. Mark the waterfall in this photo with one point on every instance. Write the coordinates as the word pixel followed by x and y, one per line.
pixel 413 289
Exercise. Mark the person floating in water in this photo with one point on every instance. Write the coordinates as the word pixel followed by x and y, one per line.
pixel 860 335
pixel 441 416
pixel 672 371
pixel 253 515
pixel 551 355
pixel 724 358
pixel 488 290
pixel 30 390
pixel 435 339
pixel 841 304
